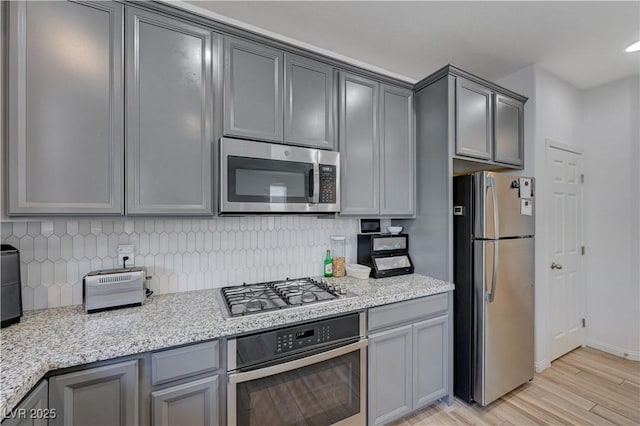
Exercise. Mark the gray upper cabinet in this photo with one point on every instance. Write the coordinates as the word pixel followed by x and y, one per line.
pixel 309 102
pixel 65 110
pixel 509 131
pixel 474 124
pixel 37 399
pixel 253 90
pixel 106 395
pixel 169 115
pixel 397 152
pixel 195 403
pixel 359 145
pixel 390 375
pixel 430 361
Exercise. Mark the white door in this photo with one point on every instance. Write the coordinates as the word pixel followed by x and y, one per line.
pixel 566 285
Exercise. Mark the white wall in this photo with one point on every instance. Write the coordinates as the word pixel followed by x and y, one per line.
pixel 612 216
pixel 553 111
pixel 558 118
pixel 604 123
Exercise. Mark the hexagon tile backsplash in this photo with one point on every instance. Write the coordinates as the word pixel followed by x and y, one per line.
pixel 180 255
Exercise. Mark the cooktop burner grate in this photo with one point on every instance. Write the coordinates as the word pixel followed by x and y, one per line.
pixel 261 297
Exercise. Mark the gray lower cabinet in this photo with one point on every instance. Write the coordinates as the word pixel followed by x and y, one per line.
pixel 474 125
pixel 33 410
pixel 169 115
pixel 397 152
pixel 190 404
pixel 509 131
pixel 359 145
pixel 430 360
pixel 65 114
pixel 107 395
pixel 309 102
pixel 390 375
pixel 253 91
pixel 409 368
pixel 410 351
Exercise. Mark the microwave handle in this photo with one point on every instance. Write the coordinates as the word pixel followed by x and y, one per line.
pixel 314 183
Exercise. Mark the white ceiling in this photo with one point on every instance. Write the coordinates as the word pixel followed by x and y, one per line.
pixel 582 42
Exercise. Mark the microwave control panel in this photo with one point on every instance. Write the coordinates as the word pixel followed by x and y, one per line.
pixel 328 184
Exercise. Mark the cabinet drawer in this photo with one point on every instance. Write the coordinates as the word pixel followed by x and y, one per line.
pixel 409 311
pixel 183 362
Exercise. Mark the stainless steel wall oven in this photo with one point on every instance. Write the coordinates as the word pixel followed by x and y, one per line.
pixel 314 373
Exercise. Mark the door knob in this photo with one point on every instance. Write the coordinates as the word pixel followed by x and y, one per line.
pixel 555 265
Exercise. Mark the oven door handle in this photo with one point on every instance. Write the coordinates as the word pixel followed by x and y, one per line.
pixel 298 363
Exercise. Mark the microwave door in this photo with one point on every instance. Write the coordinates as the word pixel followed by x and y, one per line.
pixel 261 177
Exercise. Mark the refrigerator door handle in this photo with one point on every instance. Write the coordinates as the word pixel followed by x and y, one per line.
pixel 491 183
pixel 494 273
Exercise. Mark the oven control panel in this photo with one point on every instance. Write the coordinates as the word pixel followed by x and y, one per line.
pixel 291 340
pixel 328 184
pixel 265 346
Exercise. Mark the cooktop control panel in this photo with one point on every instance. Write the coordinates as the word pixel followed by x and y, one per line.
pixel 328 184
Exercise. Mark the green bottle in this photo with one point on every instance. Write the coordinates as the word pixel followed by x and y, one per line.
pixel 328 264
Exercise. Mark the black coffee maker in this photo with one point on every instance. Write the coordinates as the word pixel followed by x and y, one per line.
pixel 386 254
pixel 10 288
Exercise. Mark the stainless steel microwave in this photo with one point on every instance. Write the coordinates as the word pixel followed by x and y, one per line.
pixel 259 177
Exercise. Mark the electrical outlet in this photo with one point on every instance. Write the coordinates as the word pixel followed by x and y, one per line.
pixel 125 250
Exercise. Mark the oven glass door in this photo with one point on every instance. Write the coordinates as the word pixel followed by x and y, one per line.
pixel 257 180
pixel 323 389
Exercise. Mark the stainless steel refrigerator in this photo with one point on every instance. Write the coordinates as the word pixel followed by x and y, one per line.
pixel 494 277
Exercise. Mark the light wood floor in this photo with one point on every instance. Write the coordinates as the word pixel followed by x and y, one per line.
pixel 584 387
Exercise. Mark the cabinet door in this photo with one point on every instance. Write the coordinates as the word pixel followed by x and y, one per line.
pixel 98 396
pixel 390 375
pixel 252 91
pixel 509 131
pixel 397 152
pixel 36 400
pixel 359 145
pixel 194 404
pixel 65 108
pixel 473 120
pixel 169 113
pixel 430 360
pixel 309 102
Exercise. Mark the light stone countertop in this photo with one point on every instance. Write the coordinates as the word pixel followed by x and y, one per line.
pixel 56 338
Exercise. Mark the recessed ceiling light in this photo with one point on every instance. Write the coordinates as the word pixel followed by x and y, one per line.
pixel 633 47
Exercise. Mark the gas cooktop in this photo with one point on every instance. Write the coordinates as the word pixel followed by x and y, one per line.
pixel 261 297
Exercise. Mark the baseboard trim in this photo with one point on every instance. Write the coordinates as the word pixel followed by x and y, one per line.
pixel 614 350
pixel 542 365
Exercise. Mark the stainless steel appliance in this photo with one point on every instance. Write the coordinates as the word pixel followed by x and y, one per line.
pixel 494 277
pixel 114 288
pixel 312 374
pixel 261 177
pixel 261 297
pixel 10 288
pixel 386 254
